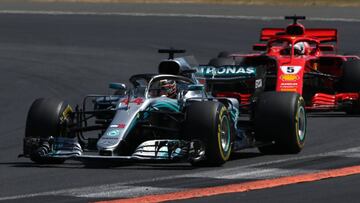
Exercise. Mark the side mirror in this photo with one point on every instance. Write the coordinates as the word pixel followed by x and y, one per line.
pixel 326 47
pixel 117 86
pixel 260 47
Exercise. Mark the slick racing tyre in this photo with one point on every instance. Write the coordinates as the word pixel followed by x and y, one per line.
pixel 350 80
pixel 46 117
pixel 218 62
pixel 224 54
pixel 224 58
pixel 279 117
pixel 210 123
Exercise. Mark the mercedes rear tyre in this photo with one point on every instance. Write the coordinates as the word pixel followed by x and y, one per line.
pixel 280 119
pixel 210 123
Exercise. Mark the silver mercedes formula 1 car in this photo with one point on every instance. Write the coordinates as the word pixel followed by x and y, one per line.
pixel 166 117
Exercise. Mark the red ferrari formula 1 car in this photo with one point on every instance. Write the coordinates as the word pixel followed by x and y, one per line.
pixel 302 60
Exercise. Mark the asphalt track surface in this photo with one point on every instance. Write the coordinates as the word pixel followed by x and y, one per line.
pixel 69 56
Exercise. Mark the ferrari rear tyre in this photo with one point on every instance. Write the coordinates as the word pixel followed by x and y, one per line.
pixel 280 119
pixel 350 80
pixel 210 123
pixel 46 118
pixel 224 54
pixel 217 62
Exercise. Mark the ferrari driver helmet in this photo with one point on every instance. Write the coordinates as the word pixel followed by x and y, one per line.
pixel 168 88
pixel 300 47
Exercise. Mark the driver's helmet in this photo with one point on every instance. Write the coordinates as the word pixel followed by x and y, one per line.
pixel 300 48
pixel 168 88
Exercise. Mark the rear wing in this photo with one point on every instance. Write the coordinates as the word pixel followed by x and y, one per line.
pixel 321 34
pixel 225 74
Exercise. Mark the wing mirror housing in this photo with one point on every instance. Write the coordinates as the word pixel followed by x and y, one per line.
pixel 117 86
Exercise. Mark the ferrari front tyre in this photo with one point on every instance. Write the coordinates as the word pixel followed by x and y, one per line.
pixel 280 119
pixel 210 123
pixel 46 118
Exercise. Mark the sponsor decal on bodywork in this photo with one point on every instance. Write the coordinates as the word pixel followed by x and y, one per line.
pixel 223 71
pixel 121 125
pixel 289 77
pixel 290 69
pixel 113 133
pixel 288 87
pixel 137 101
pixel 258 83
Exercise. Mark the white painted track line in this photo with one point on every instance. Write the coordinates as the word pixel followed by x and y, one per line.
pixel 185 15
pixel 252 171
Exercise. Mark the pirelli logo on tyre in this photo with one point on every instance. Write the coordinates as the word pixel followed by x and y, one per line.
pixel 289 77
